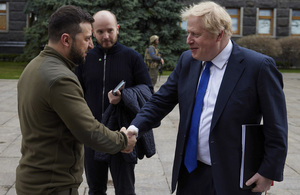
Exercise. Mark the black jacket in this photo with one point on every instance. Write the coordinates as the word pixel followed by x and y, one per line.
pixel 121 115
pixel 104 69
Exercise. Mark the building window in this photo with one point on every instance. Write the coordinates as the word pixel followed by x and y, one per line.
pixel 183 24
pixel 265 22
pixel 295 27
pixel 4 17
pixel 235 15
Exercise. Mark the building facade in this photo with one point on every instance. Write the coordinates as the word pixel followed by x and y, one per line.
pixel 274 18
pixel 12 24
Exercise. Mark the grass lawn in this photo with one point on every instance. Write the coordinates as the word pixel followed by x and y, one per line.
pixel 13 70
pixel 289 70
pixel 166 72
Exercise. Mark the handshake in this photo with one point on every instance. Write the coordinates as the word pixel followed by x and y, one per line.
pixel 131 137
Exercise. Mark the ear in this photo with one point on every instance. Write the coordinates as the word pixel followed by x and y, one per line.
pixel 66 40
pixel 118 27
pixel 220 36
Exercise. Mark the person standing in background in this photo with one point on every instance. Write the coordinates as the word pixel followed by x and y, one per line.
pixel 153 59
pixel 54 118
pixel 106 65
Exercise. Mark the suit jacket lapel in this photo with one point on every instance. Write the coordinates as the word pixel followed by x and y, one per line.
pixel 232 74
pixel 193 78
pixel 195 72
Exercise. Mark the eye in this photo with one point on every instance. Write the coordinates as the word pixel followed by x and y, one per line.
pixel 195 35
pixel 88 38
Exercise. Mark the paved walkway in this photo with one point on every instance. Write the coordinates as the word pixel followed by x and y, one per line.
pixel 153 175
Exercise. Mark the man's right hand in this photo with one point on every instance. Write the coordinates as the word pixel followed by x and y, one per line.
pixel 114 99
pixel 131 137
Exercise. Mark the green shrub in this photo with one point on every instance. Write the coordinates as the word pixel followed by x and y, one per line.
pixel 8 57
pixel 262 44
pixel 290 50
pixel 280 63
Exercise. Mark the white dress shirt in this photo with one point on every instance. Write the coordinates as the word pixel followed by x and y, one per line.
pixel 217 71
pixel 216 75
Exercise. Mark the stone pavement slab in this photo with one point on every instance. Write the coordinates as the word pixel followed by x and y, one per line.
pixel 153 175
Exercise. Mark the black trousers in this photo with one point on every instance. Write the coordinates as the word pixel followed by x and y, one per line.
pixel 96 172
pixel 198 182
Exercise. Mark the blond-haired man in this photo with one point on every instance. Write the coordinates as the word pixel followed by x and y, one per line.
pixel 243 87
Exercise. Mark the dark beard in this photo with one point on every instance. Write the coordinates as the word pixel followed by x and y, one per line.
pixel 76 56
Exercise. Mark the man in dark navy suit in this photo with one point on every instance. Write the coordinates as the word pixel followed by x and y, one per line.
pixel 244 87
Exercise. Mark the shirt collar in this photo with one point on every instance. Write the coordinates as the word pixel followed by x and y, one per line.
pixel 222 59
pixel 49 51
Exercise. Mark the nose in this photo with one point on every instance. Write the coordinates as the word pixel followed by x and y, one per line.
pixel 188 39
pixel 105 35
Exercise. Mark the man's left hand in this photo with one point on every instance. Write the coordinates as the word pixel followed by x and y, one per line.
pixel 262 184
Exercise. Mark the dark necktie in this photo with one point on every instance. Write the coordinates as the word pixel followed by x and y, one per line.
pixel 190 159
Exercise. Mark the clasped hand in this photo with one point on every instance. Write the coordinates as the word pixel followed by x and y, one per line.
pixel 131 137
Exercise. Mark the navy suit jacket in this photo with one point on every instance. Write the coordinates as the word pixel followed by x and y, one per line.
pixel 251 89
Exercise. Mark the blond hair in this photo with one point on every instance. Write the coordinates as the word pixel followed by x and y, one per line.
pixel 214 17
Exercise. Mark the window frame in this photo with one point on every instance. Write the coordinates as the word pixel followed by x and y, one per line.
pixel 6 13
pixel 291 21
pixel 272 19
pixel 239 16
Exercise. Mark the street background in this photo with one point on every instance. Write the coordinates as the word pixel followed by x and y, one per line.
pixel 153 175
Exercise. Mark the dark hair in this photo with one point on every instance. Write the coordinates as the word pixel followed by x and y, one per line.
pixel 67 19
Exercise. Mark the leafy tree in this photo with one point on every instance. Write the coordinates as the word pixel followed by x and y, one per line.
pixel 138 19
pixel 125 11
pixel 161 17
pixel 36 35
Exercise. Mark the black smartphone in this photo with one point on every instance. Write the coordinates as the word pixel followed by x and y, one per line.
pixel 120 86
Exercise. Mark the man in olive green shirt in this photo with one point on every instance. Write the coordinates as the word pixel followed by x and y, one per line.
pixel 54 117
